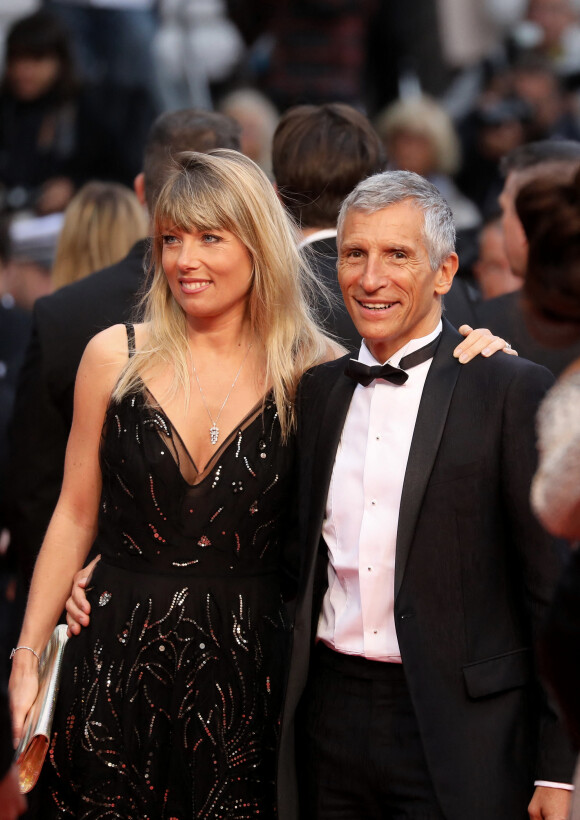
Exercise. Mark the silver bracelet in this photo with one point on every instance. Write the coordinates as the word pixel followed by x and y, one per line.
pixel 30 649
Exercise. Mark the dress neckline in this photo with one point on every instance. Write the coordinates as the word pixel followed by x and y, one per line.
pixel 253 414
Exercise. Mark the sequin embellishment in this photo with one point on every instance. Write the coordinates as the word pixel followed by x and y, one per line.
pixel 187 664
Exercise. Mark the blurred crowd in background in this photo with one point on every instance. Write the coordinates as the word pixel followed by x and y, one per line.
pixel 450 86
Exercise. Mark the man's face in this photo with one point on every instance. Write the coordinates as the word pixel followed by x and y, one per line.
pixel 385 275
pixel 492 270
pixel 516 244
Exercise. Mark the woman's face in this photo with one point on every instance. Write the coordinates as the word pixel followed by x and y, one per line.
pixel 31 77
pixel 409 151
pixel 209 273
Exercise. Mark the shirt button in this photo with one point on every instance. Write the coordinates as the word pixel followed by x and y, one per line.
pixel 370 569
pixel 373 502
pixel 378 438
pixel 375 631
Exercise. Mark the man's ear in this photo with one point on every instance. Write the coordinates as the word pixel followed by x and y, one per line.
pixel 139 188
pixel 445 274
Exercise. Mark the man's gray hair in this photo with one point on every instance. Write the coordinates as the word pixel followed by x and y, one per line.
pixel 391 187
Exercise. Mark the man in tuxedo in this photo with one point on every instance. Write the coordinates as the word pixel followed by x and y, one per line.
pixel 558 161
pixel 319 153
pixel 423 574
pixel 66 320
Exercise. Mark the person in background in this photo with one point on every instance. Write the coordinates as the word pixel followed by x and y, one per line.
pixel 319 153
pixel 101 224
pixel 558 161
pixel 258 119
pixel 550 215
pixel 198 51
pixel 65 321
pixel 58 130
pixel 38 108
pixel 318 52
pixel 26 274
pixel 491 270
pixel 553 108
pixel 419 136
pixel 112 39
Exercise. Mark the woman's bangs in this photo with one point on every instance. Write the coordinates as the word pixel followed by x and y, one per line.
pixel 187 209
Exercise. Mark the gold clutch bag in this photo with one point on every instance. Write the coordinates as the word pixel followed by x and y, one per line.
pixel 35 738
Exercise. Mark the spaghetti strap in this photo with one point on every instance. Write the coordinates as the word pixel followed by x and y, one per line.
pixel 130 338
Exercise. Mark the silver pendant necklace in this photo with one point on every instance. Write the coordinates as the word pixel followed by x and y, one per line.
pixel 214 430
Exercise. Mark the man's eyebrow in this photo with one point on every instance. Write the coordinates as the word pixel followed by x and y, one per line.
pixel 353 243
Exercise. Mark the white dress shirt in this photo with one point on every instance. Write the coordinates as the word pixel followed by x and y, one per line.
pixel 362 511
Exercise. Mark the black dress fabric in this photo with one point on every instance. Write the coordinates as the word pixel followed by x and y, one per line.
pixel 170 699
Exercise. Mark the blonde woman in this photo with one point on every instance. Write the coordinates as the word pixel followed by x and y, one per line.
pixel 170 698
pixel 101 224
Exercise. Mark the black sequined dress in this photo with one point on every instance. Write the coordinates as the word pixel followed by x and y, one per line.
pixel 170 699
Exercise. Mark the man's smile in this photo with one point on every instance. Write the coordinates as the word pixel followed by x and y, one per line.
pixel 376 305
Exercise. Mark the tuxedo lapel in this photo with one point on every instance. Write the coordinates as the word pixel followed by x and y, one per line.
pixel 332 422
pixel 429 427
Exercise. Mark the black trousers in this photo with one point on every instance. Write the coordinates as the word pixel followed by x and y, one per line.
pixel 360 754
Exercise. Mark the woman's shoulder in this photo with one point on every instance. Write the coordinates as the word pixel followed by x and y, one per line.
pixel 107 354
pixel 116 342
pixel 108 346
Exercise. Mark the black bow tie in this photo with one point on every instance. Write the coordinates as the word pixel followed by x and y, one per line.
pixel 365 374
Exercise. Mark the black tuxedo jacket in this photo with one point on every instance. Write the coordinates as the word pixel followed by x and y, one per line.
pixel 474 574
pixel 63 324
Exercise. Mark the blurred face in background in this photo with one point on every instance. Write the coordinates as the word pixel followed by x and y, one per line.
pixel 31 77
pixel 515 242
pixel 553 17
pixel 410 151
pixel 492 270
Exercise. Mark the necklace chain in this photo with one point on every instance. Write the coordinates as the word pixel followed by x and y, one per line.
pixel 214 430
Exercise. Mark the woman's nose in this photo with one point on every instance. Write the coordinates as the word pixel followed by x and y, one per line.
pixel 189 257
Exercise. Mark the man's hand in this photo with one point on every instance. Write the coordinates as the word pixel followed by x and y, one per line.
pixel 550 804
pixel 77 606
pixel 12 803
pixel 479 341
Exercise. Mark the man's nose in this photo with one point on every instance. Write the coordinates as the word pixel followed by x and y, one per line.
pixel 373 276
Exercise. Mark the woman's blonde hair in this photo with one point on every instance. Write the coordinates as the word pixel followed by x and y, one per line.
pixel 224 189
pixel 101 224
pixel 425 117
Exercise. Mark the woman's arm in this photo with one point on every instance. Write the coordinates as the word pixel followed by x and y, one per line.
pixel 73 525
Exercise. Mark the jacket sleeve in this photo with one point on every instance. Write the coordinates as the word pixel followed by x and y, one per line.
pixel 38 438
